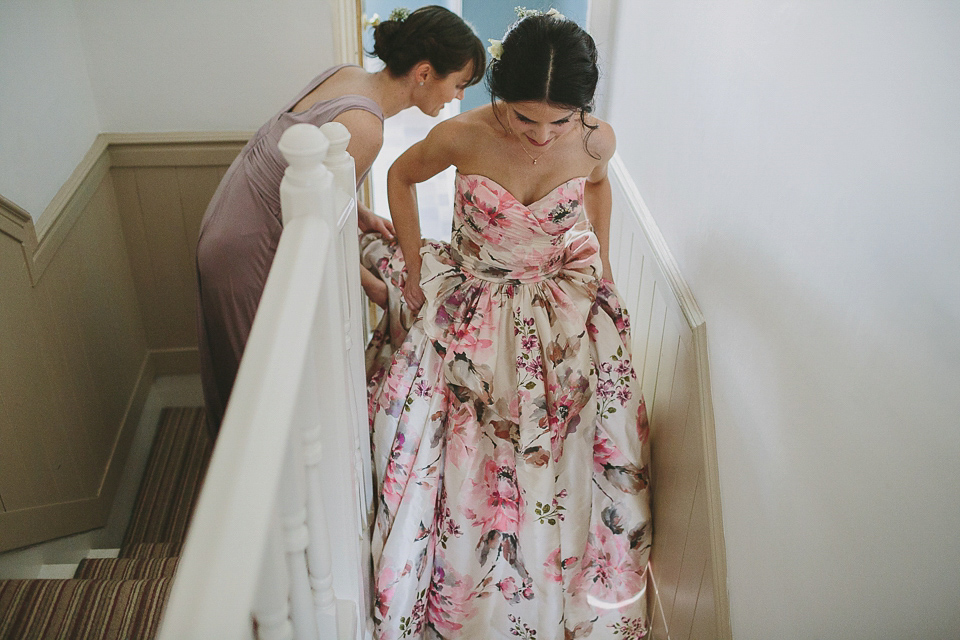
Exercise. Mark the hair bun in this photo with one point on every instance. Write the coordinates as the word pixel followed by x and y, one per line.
pixel 432 34
pixel 385 39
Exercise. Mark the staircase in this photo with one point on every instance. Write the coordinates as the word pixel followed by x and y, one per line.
pixel 123 597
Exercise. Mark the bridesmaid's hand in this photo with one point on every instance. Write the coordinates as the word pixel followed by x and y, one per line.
pixel 376 290
pixel 370 222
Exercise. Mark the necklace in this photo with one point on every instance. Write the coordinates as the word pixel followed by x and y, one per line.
pixel 520 140
pixel 528 153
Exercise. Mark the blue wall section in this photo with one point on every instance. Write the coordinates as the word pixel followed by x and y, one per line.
pixel 490 19
pixel 383 9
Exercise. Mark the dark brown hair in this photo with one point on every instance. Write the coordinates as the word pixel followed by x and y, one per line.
pixel 547 59
pixel 431 33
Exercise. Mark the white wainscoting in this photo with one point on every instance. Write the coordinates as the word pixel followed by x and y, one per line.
pixel 688 565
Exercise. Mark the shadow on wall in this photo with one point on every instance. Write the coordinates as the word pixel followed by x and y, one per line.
pixel 827 453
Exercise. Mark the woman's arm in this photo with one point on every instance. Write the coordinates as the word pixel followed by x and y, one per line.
pixel 366 139
pixel 597 194
pixel 598 200
pixel 419 163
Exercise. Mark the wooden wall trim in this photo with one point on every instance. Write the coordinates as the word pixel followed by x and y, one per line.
pixel 42 238
pixel 348 31
pixel 15 221
pixel 696 323
pixel 175 149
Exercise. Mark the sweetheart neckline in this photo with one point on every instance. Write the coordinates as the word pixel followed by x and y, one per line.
pixel 515 198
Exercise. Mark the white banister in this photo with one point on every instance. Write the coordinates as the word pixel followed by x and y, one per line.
pixel 290 466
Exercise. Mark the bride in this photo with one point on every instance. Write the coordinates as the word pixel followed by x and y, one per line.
pixel 509 429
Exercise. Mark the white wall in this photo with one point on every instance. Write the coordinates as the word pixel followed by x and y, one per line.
pixel 48 113
pixel 803 162
pixel 70 69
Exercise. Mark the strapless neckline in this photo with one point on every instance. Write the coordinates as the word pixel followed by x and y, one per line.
pixel 515 198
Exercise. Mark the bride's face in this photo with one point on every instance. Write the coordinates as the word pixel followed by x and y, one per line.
pixel 540 123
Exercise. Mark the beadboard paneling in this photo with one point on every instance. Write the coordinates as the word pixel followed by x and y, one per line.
pixel 687 562
pixel 163 188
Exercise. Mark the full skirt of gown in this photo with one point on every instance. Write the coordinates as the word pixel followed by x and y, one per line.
pixel 509 434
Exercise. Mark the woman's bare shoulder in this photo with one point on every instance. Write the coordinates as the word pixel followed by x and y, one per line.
pixel 465 129
pixel 602 141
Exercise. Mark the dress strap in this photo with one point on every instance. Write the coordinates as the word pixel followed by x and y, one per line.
pixel 313 84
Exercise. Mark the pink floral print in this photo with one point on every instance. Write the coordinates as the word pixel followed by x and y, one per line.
pixel 509 433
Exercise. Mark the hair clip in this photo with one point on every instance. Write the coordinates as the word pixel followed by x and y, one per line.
pixel 495 49
pixel 372 21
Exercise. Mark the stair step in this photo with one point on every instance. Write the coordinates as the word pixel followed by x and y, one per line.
pixel 57 571
pixel 88 609
pixel 126 568
pixel 151 550
pixel 171 482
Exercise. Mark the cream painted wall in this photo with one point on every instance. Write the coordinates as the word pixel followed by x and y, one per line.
pixel 48 113
pixel 803 162
pixel 70 69
pixel 201 66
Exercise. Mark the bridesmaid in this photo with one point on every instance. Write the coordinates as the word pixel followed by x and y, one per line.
pixel 431 55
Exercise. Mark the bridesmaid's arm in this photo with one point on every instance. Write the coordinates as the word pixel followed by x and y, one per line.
pixel 419 163
pixel 366 139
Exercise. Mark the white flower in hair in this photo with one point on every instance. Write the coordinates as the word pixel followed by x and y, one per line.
pixel 400 14
pixel 372 21
pixel 523 12
pixel 495 49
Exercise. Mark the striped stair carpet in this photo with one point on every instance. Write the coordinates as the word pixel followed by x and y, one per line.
pixel 122 598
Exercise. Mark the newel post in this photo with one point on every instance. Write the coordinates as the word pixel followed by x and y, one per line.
pixel 306 185
pixel 338 161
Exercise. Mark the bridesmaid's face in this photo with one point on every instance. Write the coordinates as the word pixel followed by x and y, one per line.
pixel 540 122
pixel 438 91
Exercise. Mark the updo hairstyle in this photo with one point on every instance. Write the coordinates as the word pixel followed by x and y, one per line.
pixel 434 34
pixel 546 59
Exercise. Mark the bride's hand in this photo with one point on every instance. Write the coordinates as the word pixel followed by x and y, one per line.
pixel 413 294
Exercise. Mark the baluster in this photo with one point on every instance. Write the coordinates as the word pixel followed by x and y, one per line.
pixel 342 166
pixel 271 608
pixel 296 538
pixel 318 551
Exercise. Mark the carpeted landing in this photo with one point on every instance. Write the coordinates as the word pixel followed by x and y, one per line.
pixel 122 598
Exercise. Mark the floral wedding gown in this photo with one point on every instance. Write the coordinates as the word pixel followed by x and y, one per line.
pixel 509 435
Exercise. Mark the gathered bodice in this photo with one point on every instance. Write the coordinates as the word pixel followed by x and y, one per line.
pixel 497 238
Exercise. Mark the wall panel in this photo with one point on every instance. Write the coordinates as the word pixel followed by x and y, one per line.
pixel 71 356
pixel 687 563
pixel 90 311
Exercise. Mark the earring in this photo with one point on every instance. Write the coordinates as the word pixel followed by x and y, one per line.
pixel 421 83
